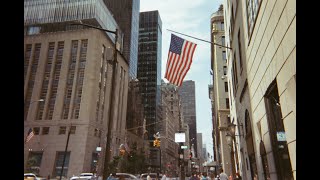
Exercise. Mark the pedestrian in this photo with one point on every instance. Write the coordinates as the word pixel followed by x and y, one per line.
pixel 109 177
pixel 148 177
pixel 204 176
pixel 164 177
pixel 194 176
pixel 48 177
pixel 238 177
pixel 222 175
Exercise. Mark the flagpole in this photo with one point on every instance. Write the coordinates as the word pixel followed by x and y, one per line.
pixel 201 39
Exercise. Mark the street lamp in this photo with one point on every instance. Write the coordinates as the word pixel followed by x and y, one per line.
pixel 110 123
pixel 230 140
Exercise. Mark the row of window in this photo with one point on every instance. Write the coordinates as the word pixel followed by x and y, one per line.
pixel 32 76
pixel 61 158
pixel 46 130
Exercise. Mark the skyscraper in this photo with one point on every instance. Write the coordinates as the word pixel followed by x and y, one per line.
pixel 67 66
pixel 126 13
pixel 188 101
pixel 149 65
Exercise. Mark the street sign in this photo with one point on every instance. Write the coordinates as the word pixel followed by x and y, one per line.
pixel 281 136
pixel 184 147
pixel 180 137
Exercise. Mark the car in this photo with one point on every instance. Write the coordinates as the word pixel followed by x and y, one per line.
pixel 84 176
pixel 126 176
pixel 152 175
pixel 78 178
pixel 32 176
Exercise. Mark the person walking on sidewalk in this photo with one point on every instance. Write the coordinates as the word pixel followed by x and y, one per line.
pixel 223 176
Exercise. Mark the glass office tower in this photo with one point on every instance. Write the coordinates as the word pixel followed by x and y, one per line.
pixel 149 65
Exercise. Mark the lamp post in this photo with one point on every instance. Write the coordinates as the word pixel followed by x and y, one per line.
pixel 110 122
pixel 231 139
pixel 65 152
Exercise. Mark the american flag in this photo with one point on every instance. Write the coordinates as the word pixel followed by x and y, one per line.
pixel 30 135
pixel 179 59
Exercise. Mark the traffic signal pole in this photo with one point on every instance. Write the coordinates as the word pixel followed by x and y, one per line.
pixel 156 143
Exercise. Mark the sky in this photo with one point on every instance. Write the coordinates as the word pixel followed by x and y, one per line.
pixel 191 17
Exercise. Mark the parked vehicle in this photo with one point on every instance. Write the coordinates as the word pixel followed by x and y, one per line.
pixel 31 176
pixel 84 176
pixel 152 175
pixel 126 176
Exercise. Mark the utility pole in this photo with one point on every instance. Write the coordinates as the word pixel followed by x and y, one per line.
pixel 181 151
pixel 65 152
pixel 110 120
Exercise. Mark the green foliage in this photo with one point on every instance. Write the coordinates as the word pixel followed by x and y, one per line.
pixel 133 162
pixel 114 164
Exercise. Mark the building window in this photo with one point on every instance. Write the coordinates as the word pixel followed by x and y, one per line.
pixel 27 56
pixel 230 95
pixel 222 26
pixel 45 130
pixel 33 30
pixel 59 162
pixel 70 78
pixel 227 103
pixel 56 74
pixel 234 76
pixel 32 76
pixel 73 130
pixel 224 56
pixel 275 126
pixel 80 77
pixel 226 86
pixel 36 130
pixel 34 162
pixel 96 132
pixel 225 70
pixel 62 130
pixel 252 13
pixel 223 40
pixel 239 46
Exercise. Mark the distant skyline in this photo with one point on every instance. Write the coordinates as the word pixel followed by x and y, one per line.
pixel 191 18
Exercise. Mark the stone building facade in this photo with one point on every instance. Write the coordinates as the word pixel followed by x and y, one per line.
pixel 262 64
pixel 220 89
pixel 83 80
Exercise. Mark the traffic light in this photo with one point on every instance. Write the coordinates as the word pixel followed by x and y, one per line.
pixel 158 143
pixel 155 142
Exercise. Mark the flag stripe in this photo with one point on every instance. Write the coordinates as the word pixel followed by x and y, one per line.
pixel 169 64
pixel 179 61
pixel 182 60
pixel 186 70
pixel 187 67
pixel 174 64
pixel 185 61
